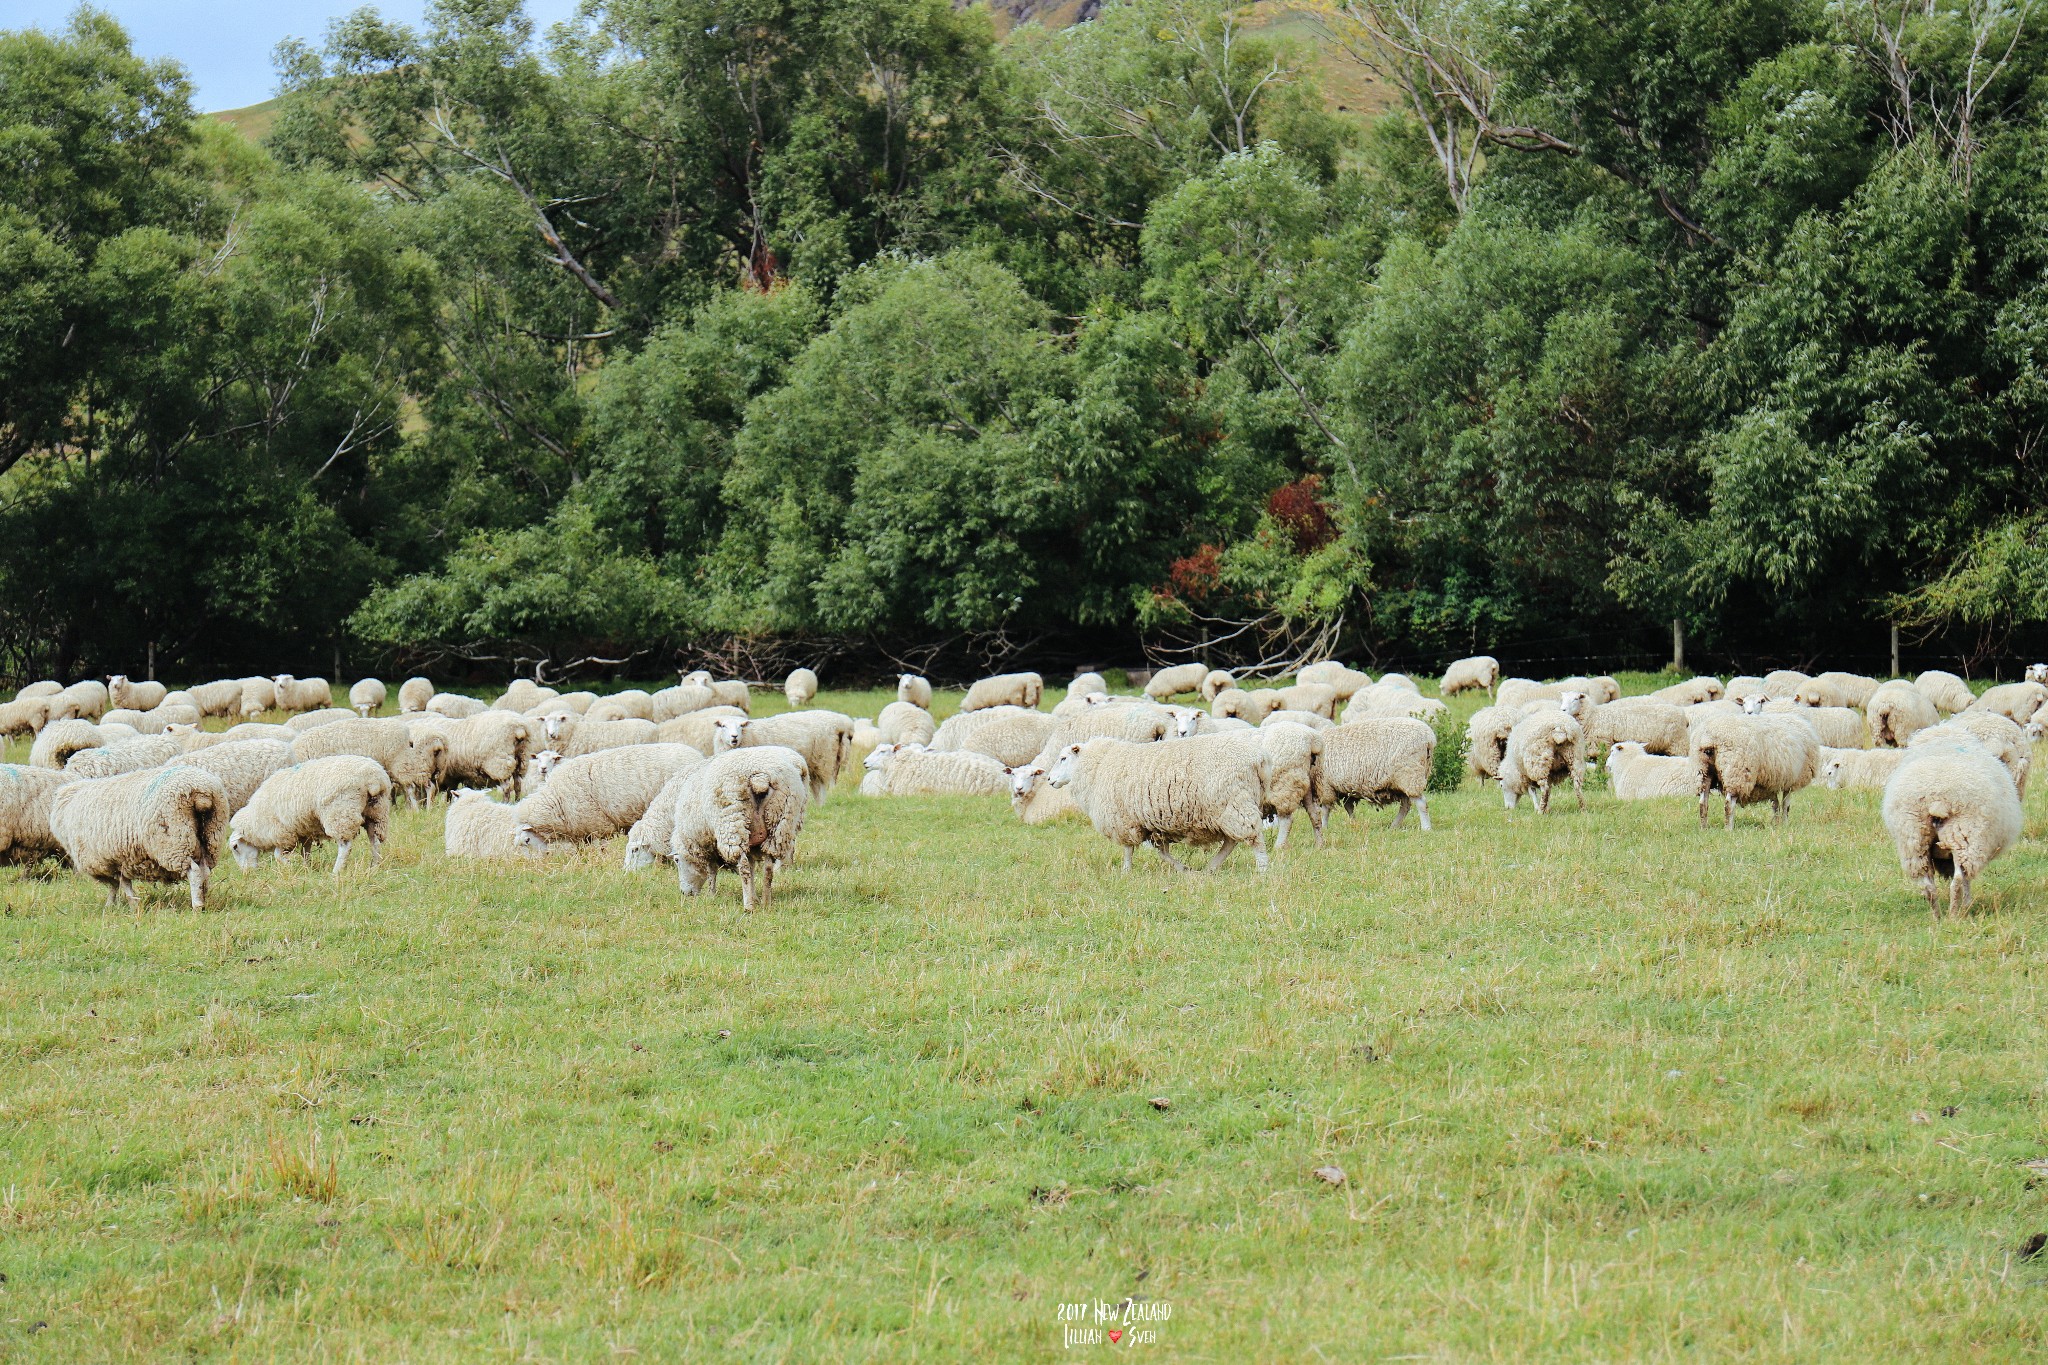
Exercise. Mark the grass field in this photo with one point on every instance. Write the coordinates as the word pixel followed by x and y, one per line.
pixel 1603 1087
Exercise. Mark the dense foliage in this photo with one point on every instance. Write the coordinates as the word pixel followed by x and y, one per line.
pixel 844 318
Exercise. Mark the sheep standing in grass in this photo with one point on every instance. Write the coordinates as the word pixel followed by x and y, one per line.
pixel 1198 791
pixel 1896 711
pixel 1486 740
pixel 1214 681
pixel 1950 808
pixel 822 738
pixel 45 688
pixel 1005 689
pixel 413 695
pixel 1290 761
pixel 23 716
pixel 242 767
pixel 258 696
pixel 1835 689
pixel 62 738
pixel 489 749
pixel 903 723
pixel 1035 800
pixel 367 697
pixel 910 770
pixel 1478 673
pixel 1168 683
pixel 135 696
pixel 1544 747
pixel 522 694
pixel 800 687
pixel 2018 702
pixel 742 810
pixel 1948 692
pixel 1329 673
pixel 1320 698
pixel 478 826
pixel 1639 775
pixel 27 796
pixel 1384 760
pixel 2006 742
pixel 914 689
pixel 310 803
pixel 1658 726
pixel 415 757
pixel 1838 726
pixel 1253 706
pixel 302 694
pixel 1858 769
pixel 1749 759
pixel 698 729
pixel 599 795
pixel 647 840
pixel 158 825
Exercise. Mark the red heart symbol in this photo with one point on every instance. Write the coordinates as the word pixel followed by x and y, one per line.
pixel 1116 1334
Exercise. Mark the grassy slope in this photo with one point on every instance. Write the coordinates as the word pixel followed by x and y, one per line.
pixel 253 122
pixel 1604 1086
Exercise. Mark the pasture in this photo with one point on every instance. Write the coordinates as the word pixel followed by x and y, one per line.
pixel 1601 1086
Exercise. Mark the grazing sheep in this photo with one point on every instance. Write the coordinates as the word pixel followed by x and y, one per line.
pixel 1486 740
pixel 1948 692
pixel 1950 808
pixel 647 840
pixel 1015 738
pixel 1253 706
pixel 81 701
pixel 313 720
pixel 1639 775
pixel 523 694
pixel 1838 727
pixel 129 756
pixel 1400 680
pixel 1084 684
pixel 1544 747
pixel 902 722
pixel 1752 758
pixel 23 716
pixel 1143 724
pixel 599 795
pixel 956 731
pixel 250 729
pixel 62 738
pixel 2017 702
pixel 1035 800
pixel 242 767
pixel 915 690
pixel 1005 689
pixel 455 706
pixel 1213 682
pixel 219 698
pixel 1478 673
pixel 1382 760
pixel 572 735
pixel 1198 791
pixel 413 695
pixel 367 697
pixel 665 705
pixel 698 729
pixel 801 687
pixel 1689 692
pixel 488 749
pixel 45 688
pixel 1784 682
pixel 134 696
pixel 1311 719
pixel 258 696
pixel 479 827
pixel 743 809
pixel 1330 673
pixel 1167 683
pixel 1836 689
pixel 302 694
pixel 821 738
pixel 158 825
pixel 732 692
pixel 1896 711
pixel 26 798
pixel 1381 700
pixel 151 722
pixel 2007 742
pixel 1320 698
pixel 630 704
pixel 909 770
pixel 414 757
pixel 1657 726
pixel 1858 769
pixel 310 803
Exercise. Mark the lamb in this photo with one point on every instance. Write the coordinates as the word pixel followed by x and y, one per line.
pixel 129 756
pixel 455 706
pixel 1486 740
pixel 1167 683
pixel 1380 761
pixel 1544 747
pixel 2017 702
pixel 134 696
pixel 1689 692
pixel 62 738
pixel 908 770
pixel 1252 706
pixel 647 841
pixel 914 690
pixel 1478 673
pixel 697 729
pixel 821 738
pixel 81 701
pixel 743 809
pixel 1656 726
pixel 1330 673
pixel 413 695
pixel 599 795
pixel 667 704
pixel 1014 738
pixel 1035 800
pixel 801 687
pixel 1007 689
pixel 1897 710
pixel 309 803
pixel 573 735
pixel 258 696
pixel 2007 742
pixel 23 716
pixel 242 767
pixel 1214 681
pixel 313 720
pixel 1948 692
pixel 1197 791
pixel 26 797
pixel 479 827
pixel 1950 808
pixel 1854 769
pixel 158 825
pixel 1784 682
pixel 489 749
pixel 1320 698
pixel 904 723
pixel 302 694
pixel 415 758
pixel 367 697
pixel 1381 700
pixel 1753 758
pixel 1836 689
pixel 1639 775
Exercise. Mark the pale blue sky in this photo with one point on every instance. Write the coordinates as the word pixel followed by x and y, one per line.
pixel 225 45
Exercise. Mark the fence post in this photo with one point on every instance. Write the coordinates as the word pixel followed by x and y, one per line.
pixel 152 661
pixel 1677 646
pixel 1895 649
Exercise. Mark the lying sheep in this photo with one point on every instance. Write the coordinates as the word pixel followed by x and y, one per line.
pixel 1380 761
pixel 1006 689
pixel 1252 706
pixel 367 697
pixel 134 696
pixel 1896 711
pixel 2037 673
pixel 310 803
pixel 904 723
pixel 1544 747
pixel 1085 684
pixel 2018 702
pixel 698 729
pixel 23 716
pixel 1214 681
pixel 302 694
pixel 1319 698
pixel 413 695
pixel 455 706
pixel 129 756
pixel 1486 740
pixel 414 757
pixel 1858 769
pixel 915 690
pixel 479 827
pixel 1948 692
pixel 242 767
pixel 250 729
pixel 1329 673
pixel 1167 683
pixel 1689 692
pixel 1837 726
pixel 1753 758
pixel 1016 738
pixel 822 738
pixel 744 810
pixel 2007 742
pixel 258 696
pixel 1950 808
pixel 599 795
pixel 314 719
pixel 1478 673
pixel 60 739
pixel 158 825
pixel 1199 791
pixel 1035 800
pixel 575 736
pixel 1743 686
pixel 26 798
pixel 1639 775
pixel 909 770
pixel 1784 682
pixel 489 749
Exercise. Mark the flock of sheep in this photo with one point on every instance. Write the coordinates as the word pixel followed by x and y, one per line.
pixel 124 784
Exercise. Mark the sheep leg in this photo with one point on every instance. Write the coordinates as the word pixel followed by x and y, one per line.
pixel 747 884
pixel 1422 812
pixel 1259 858
pixel 196 877
pixel 1127 860
pixel 1279 839
pixel 767 882
pixel 376 850
pixel 1705 797
pixel 1165 853
pixel 340 856
pixel 1543 798
pixel 1579 788
pixel 1507 798
pixel 1223 854
pixel 1728 807
pixel 1401 812
pixel 1318 816
pixel 1959 894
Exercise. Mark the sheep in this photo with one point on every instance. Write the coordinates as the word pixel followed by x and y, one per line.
pixel 479 827
pixel 522 694
pixel 1688 692
pixel 129 756
pixel 1752 758
pixel 414 694
pixel 1745 685
pixel 696 678
pixel 697 729
pixel 1854 769
pixel 1478 673
pixel 903 723
pixel 1084 684
pixel 732 692
pixel 1330 673
pixel 1213 682
pixel 647 841
pixel 1188 722
pixel 23 716
pixel 1486 740
pixel 489 749
pixel 1948 692
pixel 1290 767
pixel 258 696
pixel 599 795
pixel 1543 747
pixel 1951 808
pixel 416 759
pixel 1659 727
pixel 250 729
pixel 801 687
pixel 367 697
pixel 81 701
pixel 956 730
pixel 1320 698
pixel 242 767
pixel 630 704
pixel 1382 700
pixel 910 770
pixel 222 697
pixel 26 797
pixel 181 698
pixel 302 694
pixel 1895 711
pixel 313 720
pixel 45 688
pixel 1515 693
pixel 1035 800
pixel 743 809
pixel 1197 791
pixel 1784 682
pixel 670 702
pixel 1400 680
pixel 309 803
pixel 915 690
pixel 455 706
pixel 1008 689
pixel 1639 775
pixel 1310 719
pixel 2007 742
pixel 2017 702
pixel 1839 727
pixel 573 735
pixel 2036 673
pixel 62 738
pixel 116 734
pixel 1380 761
pixel 158 825
pixel 865 738
pixel 1135 724
pixel 1836 689
pixel 1015 738
pixel 151 722
pixel 821 738
pixel 1167 683
pixel 1253 706
pixel 134 696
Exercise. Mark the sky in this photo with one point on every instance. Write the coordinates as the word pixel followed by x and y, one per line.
pixel 225 45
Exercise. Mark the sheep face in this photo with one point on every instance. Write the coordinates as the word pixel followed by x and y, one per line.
pixel 697 679
pixel 1185 721
pixel 1063 767
pixel 879 758
pixel 545 762
pixel 1831 774
pixel 726 733
pixel 554 723
pixel 528 842
pixel 2036 728
pixel 281 681
pixel 638 855
pixel 1753 704
pixel 245 852
pixel 2037 673
pixel 1635 750
pixel 1573 704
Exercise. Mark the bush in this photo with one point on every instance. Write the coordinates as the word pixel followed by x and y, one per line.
pixel 1447 768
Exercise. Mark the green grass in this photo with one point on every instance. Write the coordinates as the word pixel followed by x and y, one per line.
pixel 1603 1087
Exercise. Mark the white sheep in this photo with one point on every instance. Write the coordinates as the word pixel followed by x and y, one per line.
pixel 1836 689
pixel 479 827
pixel 1142 724
pixel 1188 722
pixel 414 757
pixel 665 705
pixel 153 721
pixel 647 841
pixel 129 695
pixel 1006 689
pixel 574 736
pixel 488 749
pixel 1330 673
pixel 1016 737
pixel 23 716
pixel 242 766
pixel 314 719
pixel 367 696
pixel 1858 769
pixel 2017 702
pixel 302 694
pixel 1310 719
pixel 744 810
pixel 1167 683
pixel 1639 775
pixel 732 692
pixel 1948 692
pixel 414 694
pixel 594 797
pixel 129 756
pixel 26 798
pixel 1035 800
pixel 2037 673
pixel 801 687
pixel 1478 673
pixel 1784 682
pixel 1381 761
pixel 1753 758
pixel 258 696
pixel 1658 726
pixel 158 825
pixel 1690 691
pixel 1839 727
pixel 1951 808
pixel 910 770
pixel 522 694
pixel 903 722
pixel 62 738
pixel 1897 710
pixel 915 690
pixel 1381 700
pixel 44 688
pixel 1214 681
pixel 1486 740
pixel 1198 791
pixel 309 803
pixel 1544 747
pixel 698 729
pixel 1320 698
pixel 1290 770
pixel 1084 684
pixel 1252 706
pixel 86 700
pixel 2007 743
pixel 455 706
pixel 822 738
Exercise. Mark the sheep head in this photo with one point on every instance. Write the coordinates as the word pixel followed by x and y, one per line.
pixel 1063 767
pixel 878 758
pixel 1573 704
pixel 527 840
pixel 544 763
pixel 726 733
pixel 245 852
